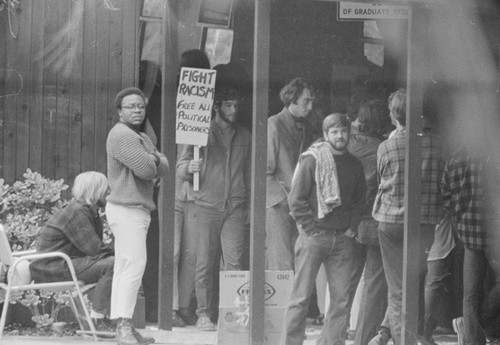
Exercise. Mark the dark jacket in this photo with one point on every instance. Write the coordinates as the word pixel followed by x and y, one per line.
pixel 285 143
pixel 303 198
pixel 226 171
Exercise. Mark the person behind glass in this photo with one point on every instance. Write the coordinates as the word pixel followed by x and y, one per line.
pixel 185 227
pixel 222 201
pixel 388 210
pixel 77 231
pixel 470 191
pixel 134 165
pixel 289 133
pixel 366 136
pixel 326 199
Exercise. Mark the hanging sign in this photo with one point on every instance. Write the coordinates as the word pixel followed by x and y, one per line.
pixel 370 11
pixel 195 98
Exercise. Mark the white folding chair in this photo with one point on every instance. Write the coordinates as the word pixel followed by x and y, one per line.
pixel 19 279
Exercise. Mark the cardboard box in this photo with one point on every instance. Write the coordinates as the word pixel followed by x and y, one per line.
pixel 232 326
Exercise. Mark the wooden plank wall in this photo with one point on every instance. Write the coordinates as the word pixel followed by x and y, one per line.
pixel 58 80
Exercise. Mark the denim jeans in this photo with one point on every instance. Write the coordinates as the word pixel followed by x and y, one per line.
pixel 335 252
pixel 359 258
pixel 187 228
pixel 391 237
pixel 440 275
pixel 281 234
pixel 178 224
pixel 215 229
pixel 373 299
pixel 475 264
pixel 490 308
pixel 90 271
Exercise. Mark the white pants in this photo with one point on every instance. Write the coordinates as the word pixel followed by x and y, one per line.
pixel 130 227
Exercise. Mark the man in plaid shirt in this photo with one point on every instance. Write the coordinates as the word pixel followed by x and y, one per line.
pixel 463 195
pixel 388 209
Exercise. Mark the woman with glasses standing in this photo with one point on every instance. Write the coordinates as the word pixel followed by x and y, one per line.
pixel 134 165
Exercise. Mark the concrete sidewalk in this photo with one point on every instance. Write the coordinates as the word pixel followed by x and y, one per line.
pixel 187 335
pixel 178 336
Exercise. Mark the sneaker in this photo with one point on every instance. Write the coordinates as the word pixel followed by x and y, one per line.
pixel 382 338
pixel 458 327
pixel 177 321
pixel 205 324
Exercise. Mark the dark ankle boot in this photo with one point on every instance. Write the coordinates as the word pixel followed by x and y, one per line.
pixel 141 339
pixel 125 333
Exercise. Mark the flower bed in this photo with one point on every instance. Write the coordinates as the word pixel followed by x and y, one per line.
pixel 20 329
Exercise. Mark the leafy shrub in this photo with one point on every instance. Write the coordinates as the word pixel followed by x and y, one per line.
pixel 27 205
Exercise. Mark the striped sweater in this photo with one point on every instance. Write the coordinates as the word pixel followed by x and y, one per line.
pixel 132 168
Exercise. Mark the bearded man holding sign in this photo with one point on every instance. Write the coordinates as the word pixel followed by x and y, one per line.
pixel 222 200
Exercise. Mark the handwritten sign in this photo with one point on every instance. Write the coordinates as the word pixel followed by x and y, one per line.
pixel 370 11
pixel 195 97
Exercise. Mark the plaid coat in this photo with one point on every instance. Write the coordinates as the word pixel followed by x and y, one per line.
pixel 389 202
pixel 76 230
pixel 461 188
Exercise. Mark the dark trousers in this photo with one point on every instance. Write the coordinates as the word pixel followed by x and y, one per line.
pixel 186 226
pixel 91 271
pixel 475 266
pixel 480 311
pixel 281 234
pixel 216 229
pixel 373 299
pixel 391 244
pixel 439 279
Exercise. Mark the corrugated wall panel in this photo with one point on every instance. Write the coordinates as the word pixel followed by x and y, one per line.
pixel 71 57
pixel 115 62
pixel 49 100
pixel 89 74
pixel 3 77
pixel 76 93
pixel 12 85
pixel 102 80
pixel 36 99
pixel 23 99
pixel 61 68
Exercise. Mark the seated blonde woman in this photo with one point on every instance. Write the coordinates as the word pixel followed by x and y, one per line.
pixel 77 231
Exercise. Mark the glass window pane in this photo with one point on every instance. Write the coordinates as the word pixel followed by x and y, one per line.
pixel 375 53
pixel 153 8
pixel 151 45
pixel 371 30
pixel 218 46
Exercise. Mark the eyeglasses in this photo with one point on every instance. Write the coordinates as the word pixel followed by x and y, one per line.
pixel 133 106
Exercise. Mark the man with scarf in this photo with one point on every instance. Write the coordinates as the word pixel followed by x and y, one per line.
pixel 326 200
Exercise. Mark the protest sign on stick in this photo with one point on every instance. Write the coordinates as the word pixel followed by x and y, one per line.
pixel 195 98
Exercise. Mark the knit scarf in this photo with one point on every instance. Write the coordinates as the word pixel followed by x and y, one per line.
pixel 327 184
